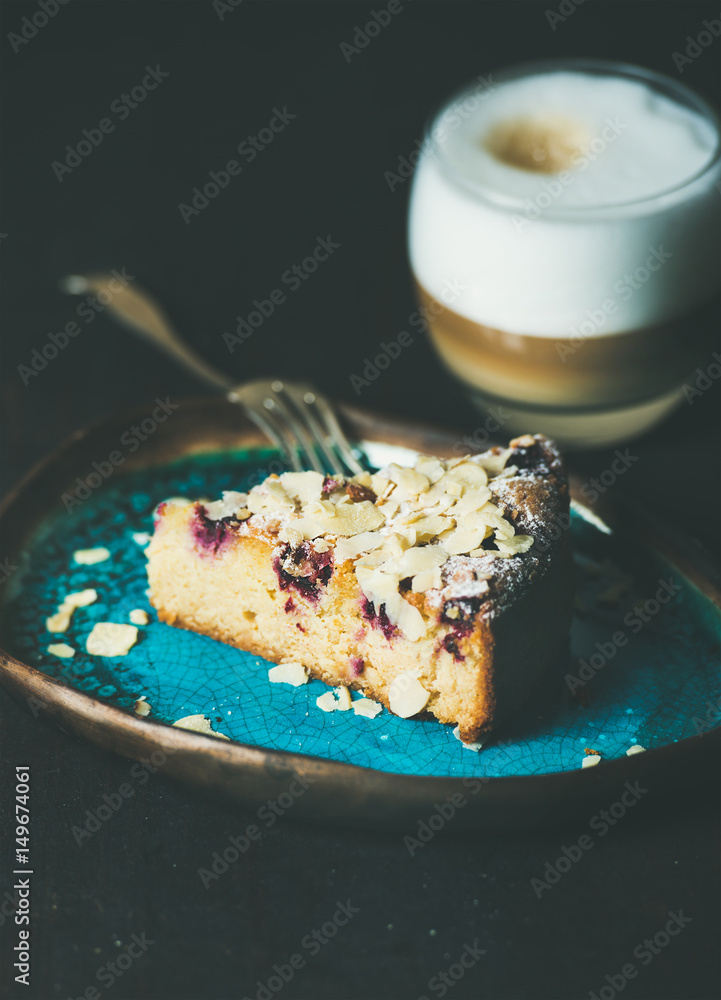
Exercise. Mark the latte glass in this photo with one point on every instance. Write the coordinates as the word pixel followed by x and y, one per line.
pixel 564 240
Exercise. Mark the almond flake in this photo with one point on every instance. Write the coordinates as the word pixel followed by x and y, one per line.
pixel 407 696
pixel 198 724
pixel 367 708
pixel 636 748
pixel 591 760
pixel 88 557
pixel 463 540
pixel 288 673
pixel 139 617
pixel 111 639
pixel 61 649
pixel 142 707
pixel 469 746
pixel 60 621
pixel 231 503
pixel 303 486
pixel 337 700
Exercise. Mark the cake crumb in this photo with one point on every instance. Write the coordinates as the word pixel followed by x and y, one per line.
pixel 111 639
pixel 367 708
pixel 288 673
pixel 591 761
pixel 636 748
pixel 139 617
pixel 198 724
pixel 592 752
pixel 142 706
pixel 88 557
pixel 61 649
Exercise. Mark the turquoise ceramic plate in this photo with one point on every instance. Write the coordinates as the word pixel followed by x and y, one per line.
pixel 643 669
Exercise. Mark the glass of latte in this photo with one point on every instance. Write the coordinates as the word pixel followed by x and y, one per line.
pixel 564 240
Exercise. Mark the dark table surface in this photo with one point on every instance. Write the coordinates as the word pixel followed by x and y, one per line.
pixel 356 115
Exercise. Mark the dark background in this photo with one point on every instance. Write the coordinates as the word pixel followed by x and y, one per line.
pixel 323 175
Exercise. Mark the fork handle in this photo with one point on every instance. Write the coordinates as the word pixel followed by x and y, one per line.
pixel 139 311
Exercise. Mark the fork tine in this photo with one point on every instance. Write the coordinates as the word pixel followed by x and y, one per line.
pixel 334 430
pixel 301 422
pixel 268 422
pixel 303 400
pixel 275 403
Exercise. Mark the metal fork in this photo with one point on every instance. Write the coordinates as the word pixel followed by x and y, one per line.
pixel 295 416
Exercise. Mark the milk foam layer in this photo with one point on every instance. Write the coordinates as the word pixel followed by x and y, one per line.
pixel 627 234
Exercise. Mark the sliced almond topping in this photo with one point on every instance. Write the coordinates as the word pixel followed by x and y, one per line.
pixel 61 649
pixel 408 479
pixel 429 467
pixel 428 527
pixel 88 557
pixel 463 540
pixel 344 699
pixel 367 708
pixel 229 505
pixel 354 518
pixel 111 639
pixel 407 696
pixel 469 474
pixel 198 724
pixel 288 673
pixel 303 486
pixel 337 700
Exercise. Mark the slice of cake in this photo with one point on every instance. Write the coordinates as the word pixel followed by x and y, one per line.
pixel 444 587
